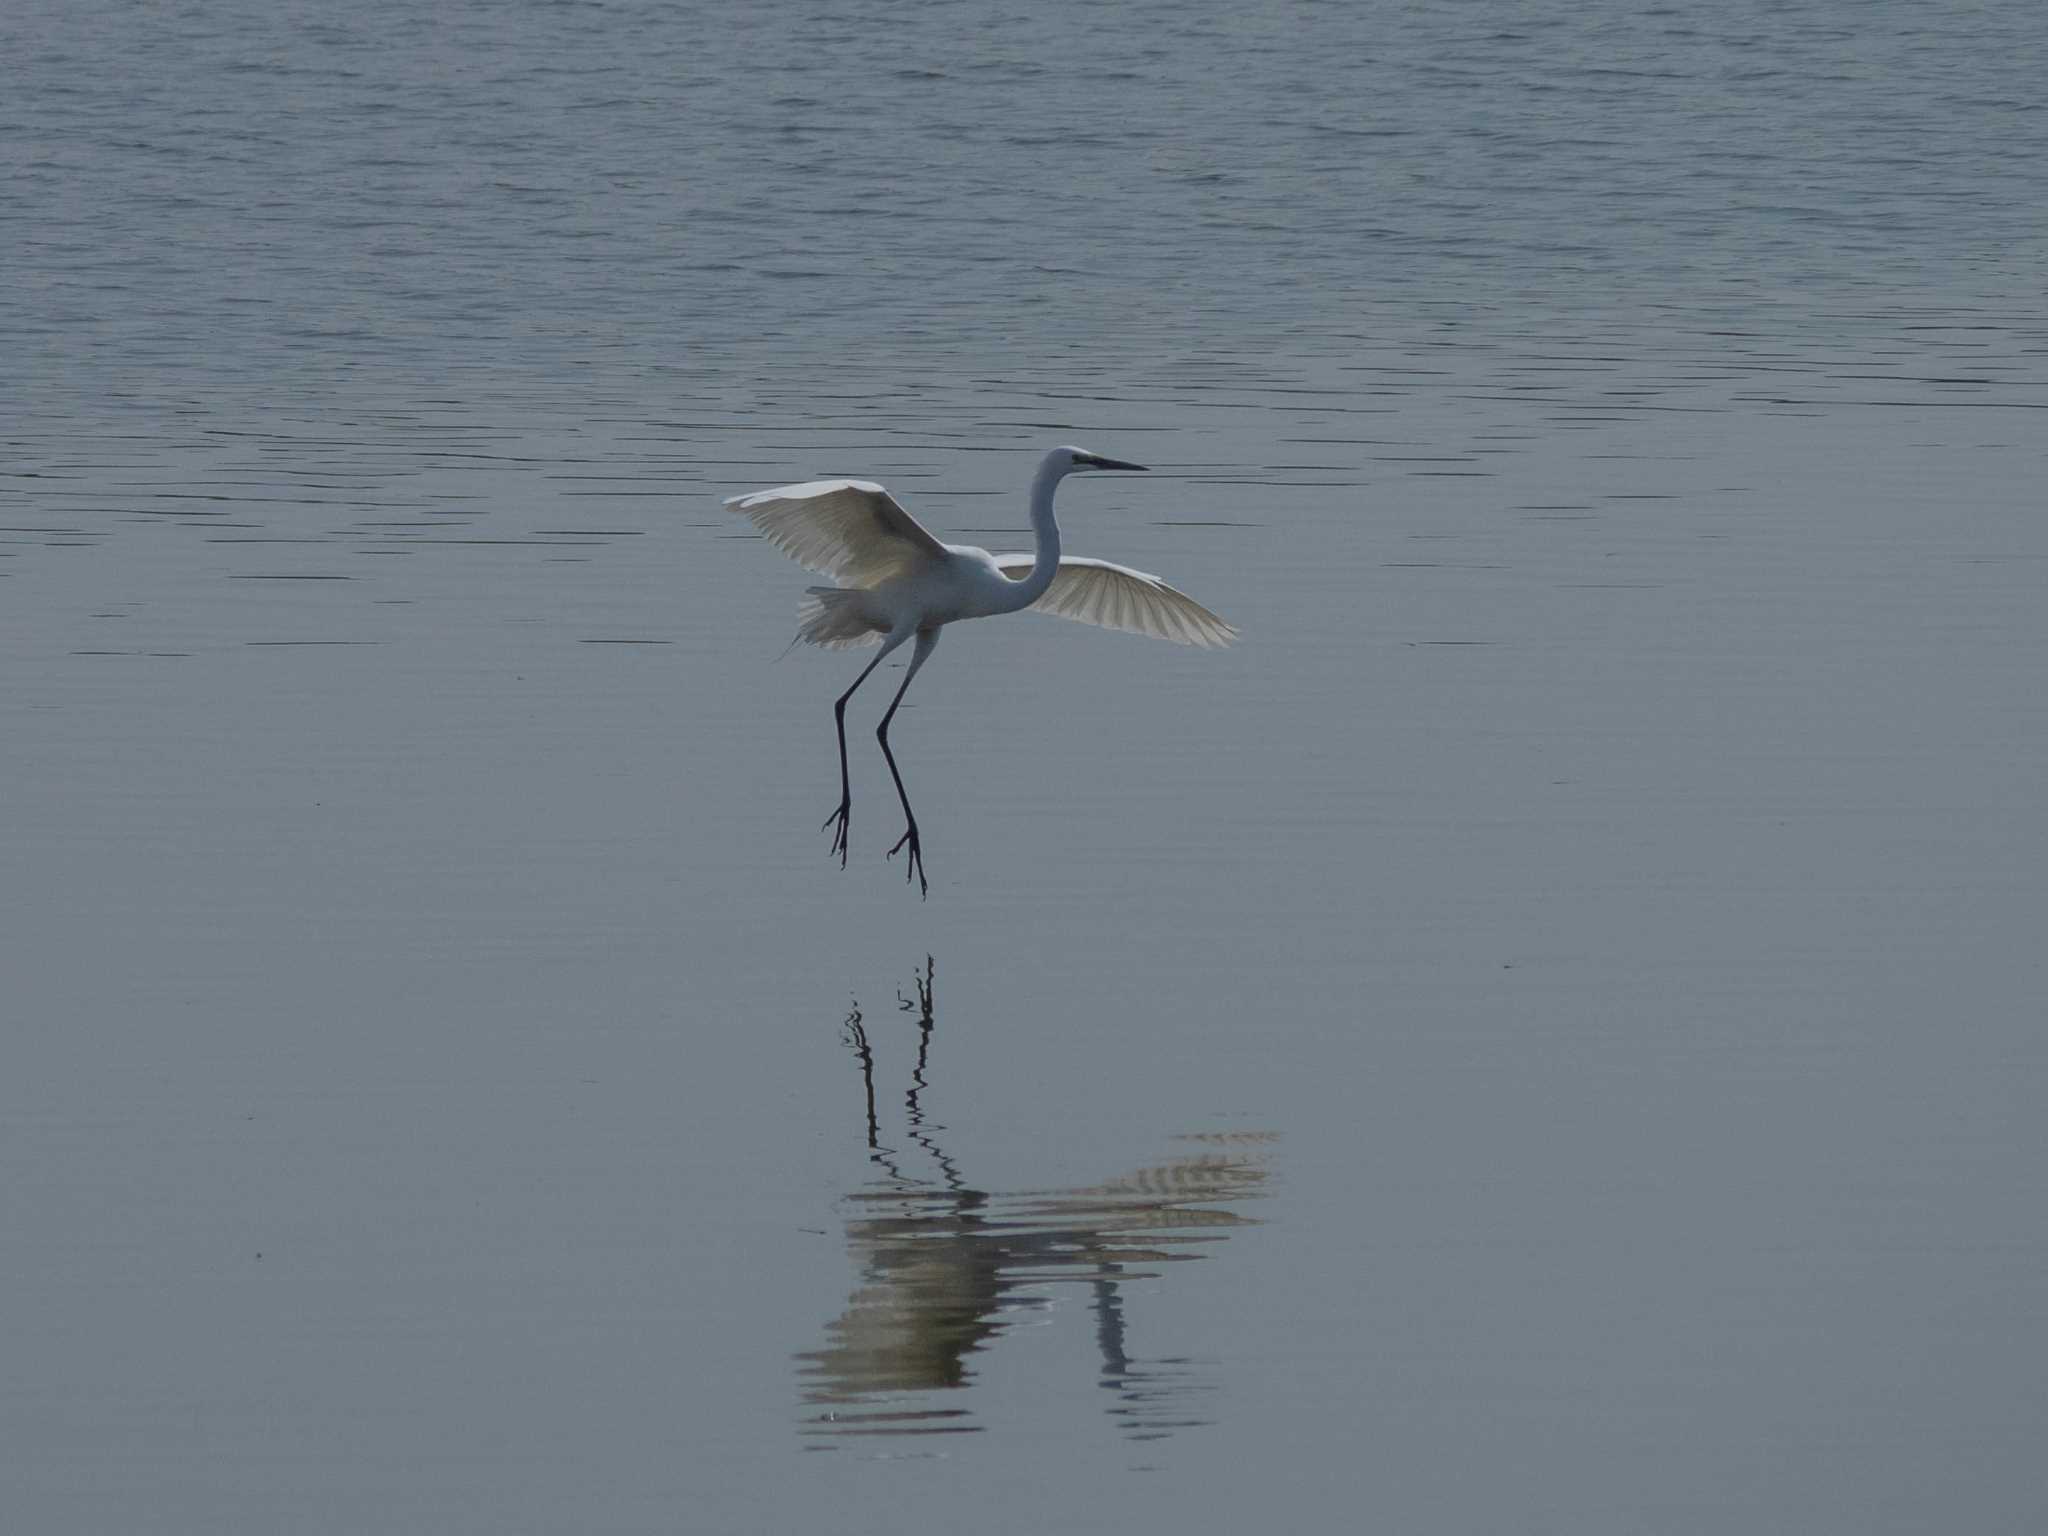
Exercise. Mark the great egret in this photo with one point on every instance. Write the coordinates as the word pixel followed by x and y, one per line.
pixel 896 582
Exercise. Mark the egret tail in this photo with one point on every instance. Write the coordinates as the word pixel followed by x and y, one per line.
pixel 834 618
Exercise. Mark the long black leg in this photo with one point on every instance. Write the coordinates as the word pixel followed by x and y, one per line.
pixel 845 811
pixel 926 639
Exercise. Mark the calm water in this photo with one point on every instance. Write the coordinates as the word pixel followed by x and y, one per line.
pixel 1543 1035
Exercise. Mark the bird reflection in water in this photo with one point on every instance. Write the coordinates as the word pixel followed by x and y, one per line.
pixel 947 1268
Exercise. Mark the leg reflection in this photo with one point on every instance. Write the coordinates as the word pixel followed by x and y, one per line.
pixel 944 1269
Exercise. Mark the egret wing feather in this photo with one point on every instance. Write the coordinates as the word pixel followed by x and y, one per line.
pixel 851 530
pixel 1117 597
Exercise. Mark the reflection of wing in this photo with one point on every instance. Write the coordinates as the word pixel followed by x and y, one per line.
pixel 850 530
pixel 910 1327
pixel 944 1273
pixel 1117 597
pixel 1184 1196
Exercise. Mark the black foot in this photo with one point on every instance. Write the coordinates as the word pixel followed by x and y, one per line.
pixel 841 816
pixel 915 865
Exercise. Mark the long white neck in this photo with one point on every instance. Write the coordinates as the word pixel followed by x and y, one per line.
pixel 1046 528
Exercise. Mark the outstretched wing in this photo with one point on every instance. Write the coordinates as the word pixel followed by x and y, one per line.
pixel 850 530
pixel 1117 597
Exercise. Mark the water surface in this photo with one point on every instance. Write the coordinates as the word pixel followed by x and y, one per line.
pixel 1541 1035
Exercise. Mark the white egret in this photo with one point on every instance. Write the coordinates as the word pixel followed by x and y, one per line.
pixel 896 582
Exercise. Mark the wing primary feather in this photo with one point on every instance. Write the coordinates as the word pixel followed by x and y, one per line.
pixel 851 530
pixel 1117 597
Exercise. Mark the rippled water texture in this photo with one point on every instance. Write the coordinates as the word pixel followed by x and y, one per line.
pixel 1543 1034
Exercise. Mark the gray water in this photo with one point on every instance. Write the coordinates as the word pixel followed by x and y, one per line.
pixel 1543 1035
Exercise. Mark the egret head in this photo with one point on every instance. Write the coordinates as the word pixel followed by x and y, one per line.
pixel 1069 459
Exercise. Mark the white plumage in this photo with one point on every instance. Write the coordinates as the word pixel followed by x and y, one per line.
pixel 894 581
pixel 1117 597
pixel 850 530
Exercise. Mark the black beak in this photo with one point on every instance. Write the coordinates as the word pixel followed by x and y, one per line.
pixel 1097 461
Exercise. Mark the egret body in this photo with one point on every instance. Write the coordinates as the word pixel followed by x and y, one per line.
pixel 895 582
